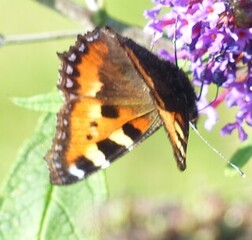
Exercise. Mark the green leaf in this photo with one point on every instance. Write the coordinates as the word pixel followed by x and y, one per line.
pixel 50 102
pixel 240 157
pixel 31 208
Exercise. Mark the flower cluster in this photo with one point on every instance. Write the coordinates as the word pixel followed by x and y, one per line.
pixel 216 38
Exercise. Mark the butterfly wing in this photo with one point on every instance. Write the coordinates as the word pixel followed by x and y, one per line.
pixel 174 95
pixel 177 127
pixel 108 108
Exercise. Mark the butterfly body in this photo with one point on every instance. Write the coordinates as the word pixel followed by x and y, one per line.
pixel 117 93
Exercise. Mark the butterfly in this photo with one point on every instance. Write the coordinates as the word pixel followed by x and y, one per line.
pixel 117 93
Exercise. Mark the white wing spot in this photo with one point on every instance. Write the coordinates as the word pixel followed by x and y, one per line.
pixel 62 136
pixel 72 57
pixel 65 122
pixel 58 147
pixel 55 156
pixel 69 69
pixel 120 138
pixel 90 38
pixel 57 165
pixel 69 83
pixel 95 155
pixel 105 165
pixel 72 96
pixel 96 36
pixel 79 173
pixel 82 47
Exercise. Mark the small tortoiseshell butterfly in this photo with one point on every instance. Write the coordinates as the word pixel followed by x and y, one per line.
pixel 117 93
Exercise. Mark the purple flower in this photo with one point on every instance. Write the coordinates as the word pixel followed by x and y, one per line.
pixel 215 37
pixel 228 129
pixel 209 111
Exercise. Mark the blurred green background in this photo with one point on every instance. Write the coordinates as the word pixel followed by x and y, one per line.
pixel 150 170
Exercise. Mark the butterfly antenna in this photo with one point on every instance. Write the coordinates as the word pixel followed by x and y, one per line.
pixel 241 173
pixel 215 98
pixel 174 42
pixel 200 92
pixel 152 44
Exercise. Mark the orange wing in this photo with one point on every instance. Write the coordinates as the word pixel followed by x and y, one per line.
pixel 107 111
pixel 117 93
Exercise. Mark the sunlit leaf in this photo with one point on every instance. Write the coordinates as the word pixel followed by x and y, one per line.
pixel 240 157
pixel 31 208
pixel 45 102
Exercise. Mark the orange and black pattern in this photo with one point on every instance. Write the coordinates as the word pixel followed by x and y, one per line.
pixel 116 93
